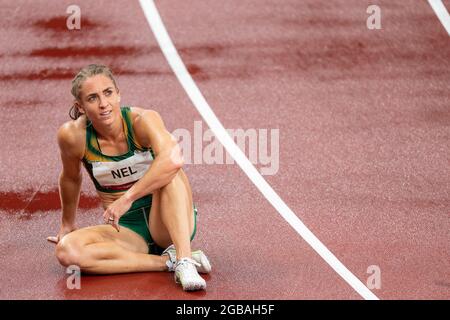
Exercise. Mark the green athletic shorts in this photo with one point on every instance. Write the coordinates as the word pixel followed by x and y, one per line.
pixel 137 219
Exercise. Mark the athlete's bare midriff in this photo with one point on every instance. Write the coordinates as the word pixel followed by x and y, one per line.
pixel 108 198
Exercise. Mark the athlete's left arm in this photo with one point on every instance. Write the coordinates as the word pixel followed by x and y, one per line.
pixel 150 130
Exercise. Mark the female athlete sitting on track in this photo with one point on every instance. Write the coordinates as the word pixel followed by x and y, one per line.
pixel 136 167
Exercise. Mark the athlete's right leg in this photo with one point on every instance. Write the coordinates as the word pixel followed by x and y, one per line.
pixel 102 250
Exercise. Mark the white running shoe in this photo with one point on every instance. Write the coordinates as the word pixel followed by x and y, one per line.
pixel 186 274
pixel 203 265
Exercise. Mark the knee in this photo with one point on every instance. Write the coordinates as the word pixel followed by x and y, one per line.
pixel 175 186
pixel 68 252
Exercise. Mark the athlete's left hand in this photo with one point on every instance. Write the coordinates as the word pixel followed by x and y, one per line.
pixel 115 210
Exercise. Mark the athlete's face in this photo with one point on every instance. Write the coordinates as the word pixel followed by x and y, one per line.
pixel 100 99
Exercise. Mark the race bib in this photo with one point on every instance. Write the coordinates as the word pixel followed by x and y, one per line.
pixel 123 172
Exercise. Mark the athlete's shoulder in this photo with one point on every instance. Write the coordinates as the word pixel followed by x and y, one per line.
pixel 147 123
pixel 139 114
pixel 71 136
pixel 146 119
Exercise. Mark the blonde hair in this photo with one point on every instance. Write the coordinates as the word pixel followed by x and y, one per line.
pixel 82 75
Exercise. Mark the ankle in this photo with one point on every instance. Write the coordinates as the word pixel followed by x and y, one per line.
pixel 184 254
pixel 167 263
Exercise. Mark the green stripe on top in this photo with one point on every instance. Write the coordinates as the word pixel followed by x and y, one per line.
pixel 126 113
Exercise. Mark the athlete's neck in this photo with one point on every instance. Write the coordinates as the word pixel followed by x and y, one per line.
pixel 111 132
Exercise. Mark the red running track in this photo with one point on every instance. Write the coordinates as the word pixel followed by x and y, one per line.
pixel 364 123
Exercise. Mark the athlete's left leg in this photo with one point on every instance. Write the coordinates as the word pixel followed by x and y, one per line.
pixel 172 215
pixel 172 221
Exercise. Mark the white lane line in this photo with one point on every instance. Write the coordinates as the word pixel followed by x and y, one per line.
pixel 178 67
pixel 442 13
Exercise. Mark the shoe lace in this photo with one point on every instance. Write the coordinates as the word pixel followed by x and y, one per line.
pixel 185 261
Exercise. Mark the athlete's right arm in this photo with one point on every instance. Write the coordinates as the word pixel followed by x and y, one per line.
pixel 70 178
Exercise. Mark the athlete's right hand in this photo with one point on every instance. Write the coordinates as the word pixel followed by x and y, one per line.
pixel 62 232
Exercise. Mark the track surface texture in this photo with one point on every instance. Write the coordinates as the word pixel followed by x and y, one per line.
pixel 364 129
